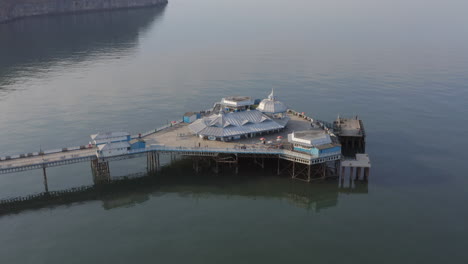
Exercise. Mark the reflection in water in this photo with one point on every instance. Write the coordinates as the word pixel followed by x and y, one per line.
pixel 69 38
pixel 179 179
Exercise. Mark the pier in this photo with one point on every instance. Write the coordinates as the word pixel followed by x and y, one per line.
pixel 300 146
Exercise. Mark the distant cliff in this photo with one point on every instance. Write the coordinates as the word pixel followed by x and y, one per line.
pixel 12 9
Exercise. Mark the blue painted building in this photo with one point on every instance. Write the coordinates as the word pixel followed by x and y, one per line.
pixel 190 117
pixel 316 142
pixel 137 143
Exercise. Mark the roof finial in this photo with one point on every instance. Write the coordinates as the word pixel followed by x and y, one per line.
pixel 272 95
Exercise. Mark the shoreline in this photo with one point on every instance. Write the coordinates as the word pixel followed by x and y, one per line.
pixel 12 10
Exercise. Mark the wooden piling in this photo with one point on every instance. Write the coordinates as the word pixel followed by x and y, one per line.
pixel 279 171
pixel 366 173
pixel 46 186
pixel 293 169
pixel 358 173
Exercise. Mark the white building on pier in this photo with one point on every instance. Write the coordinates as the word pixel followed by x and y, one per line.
pixel 236 118
pixel 109 137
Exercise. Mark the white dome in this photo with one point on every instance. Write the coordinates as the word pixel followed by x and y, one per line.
pixel 271 105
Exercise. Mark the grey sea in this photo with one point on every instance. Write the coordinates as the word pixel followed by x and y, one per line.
pixel 400 65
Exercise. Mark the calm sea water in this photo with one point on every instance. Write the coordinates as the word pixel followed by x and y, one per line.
pixel 400 65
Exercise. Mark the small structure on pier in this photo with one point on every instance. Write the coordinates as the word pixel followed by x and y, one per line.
pixel 316 142
pixel 236 103
pixel 112 149
pixel 351 134
pixel 361 162
pixel 137 143
pixel 109 137
pixel 190 117
pixel 272 106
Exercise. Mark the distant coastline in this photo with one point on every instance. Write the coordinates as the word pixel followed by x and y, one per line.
pixel 14 9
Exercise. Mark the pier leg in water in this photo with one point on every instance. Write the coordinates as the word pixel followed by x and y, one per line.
pixel 151 162
pixel 351 172
pixel 343 173
pixel 101 172
pixel 366 173
pixel 358 173
pixel 46 186
pixel 324 171
pixel 216 167
pixel 293 169
pixel 196 164
pixel 337 168
pixel 279 171
pixel 158 163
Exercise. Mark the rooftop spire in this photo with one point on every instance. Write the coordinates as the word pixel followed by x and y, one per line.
pixel 272 95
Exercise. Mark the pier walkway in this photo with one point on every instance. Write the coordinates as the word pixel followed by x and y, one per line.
pixel 177 139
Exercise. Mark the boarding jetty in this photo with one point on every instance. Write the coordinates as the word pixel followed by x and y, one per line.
pixel 266 132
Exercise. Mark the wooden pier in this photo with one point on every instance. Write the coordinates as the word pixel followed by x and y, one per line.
pixel 176 140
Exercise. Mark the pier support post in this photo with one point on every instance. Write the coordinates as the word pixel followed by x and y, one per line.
pixel 158 164
pixel 366 173
pixel 324 171
pixel 358 173
pixel 279 171
pixel 293 170
pixel 196 165
pixel 46 186
pixel 337 168
pixel 261 164
pixel 151 161
pixel 217 167
pixel 101 172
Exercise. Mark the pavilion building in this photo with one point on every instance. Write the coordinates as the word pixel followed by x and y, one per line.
pixel 271 106
pixel 235 118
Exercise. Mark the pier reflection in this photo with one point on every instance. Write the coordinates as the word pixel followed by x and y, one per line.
pixel 179 179
pixel 37 43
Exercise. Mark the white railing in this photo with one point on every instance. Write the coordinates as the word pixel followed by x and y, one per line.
pixel 234 151
pixel 44 152
pixel 147 133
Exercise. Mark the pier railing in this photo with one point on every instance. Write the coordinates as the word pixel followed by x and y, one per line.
pixel 288 154
pixel 53 151
pixel 321 123
pixel 147 133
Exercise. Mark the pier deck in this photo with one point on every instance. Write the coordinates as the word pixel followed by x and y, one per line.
pixel 176 139
pixel 47 160
pixel 350 127
pixel 361 161
pixel 180 136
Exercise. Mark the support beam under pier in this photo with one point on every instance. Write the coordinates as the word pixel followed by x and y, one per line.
pixel 152 160
pixel 46 185
pixel 101 172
